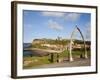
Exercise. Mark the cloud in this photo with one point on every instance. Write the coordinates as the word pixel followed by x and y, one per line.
pixel 54 25
pixel 72 16
pixel 53 14
pixel 69 16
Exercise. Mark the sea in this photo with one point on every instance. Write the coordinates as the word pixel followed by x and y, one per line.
pixel 31 53
pixel 27 52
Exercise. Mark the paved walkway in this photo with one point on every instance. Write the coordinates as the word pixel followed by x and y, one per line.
pixel 76 63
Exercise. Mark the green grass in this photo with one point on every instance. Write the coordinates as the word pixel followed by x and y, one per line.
pixel 35 61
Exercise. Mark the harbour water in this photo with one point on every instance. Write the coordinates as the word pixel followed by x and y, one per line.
pixel 32 52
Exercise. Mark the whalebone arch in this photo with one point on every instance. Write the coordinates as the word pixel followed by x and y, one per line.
pixel 71 39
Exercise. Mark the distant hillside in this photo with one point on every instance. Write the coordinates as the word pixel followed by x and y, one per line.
pixel 50 41
pixel 62 41
pixel 81 42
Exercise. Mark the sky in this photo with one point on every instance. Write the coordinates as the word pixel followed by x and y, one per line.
pixel 50 25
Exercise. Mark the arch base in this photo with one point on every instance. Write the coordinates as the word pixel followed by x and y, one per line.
pixel 71 59
pixel 85 56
